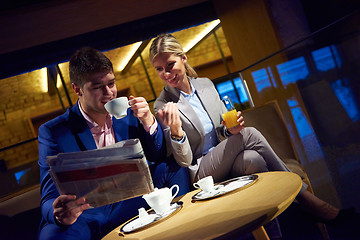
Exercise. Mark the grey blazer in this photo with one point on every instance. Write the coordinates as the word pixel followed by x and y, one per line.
pixel 189 152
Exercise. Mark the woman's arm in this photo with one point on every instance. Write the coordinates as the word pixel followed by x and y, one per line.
pixel 177 142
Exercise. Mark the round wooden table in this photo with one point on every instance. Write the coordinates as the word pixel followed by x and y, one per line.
pixel 239 212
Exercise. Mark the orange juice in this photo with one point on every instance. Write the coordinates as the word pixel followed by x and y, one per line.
pixel 230 118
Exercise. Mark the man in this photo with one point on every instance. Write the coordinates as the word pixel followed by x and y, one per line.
pixel 86 126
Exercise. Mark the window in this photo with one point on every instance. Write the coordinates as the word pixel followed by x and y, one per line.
pixel 326 58
pixel 293 70
pixel 261 79
pixel 346 98
pixel 227 89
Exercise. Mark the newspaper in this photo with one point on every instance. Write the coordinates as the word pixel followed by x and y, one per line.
pixel 105 175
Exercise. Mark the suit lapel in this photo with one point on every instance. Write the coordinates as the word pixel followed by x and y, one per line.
pixel 87 139
pixel 207 102
pixel 81 130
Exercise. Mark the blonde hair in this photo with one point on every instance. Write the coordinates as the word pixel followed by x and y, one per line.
pixel 167 43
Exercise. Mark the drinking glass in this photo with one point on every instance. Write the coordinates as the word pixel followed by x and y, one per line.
pixel 230 117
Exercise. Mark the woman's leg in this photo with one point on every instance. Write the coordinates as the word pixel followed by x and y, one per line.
pixel 230 154
pixel 220 161
pixel 314 205
pixel 307 200
pixel 248 162
pixel 257 142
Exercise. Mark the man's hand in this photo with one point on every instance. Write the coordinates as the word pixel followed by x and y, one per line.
pixel 67 208
pixel 141 110
pixel 170 117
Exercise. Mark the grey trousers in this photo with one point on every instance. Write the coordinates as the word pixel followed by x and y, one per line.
pixel 242 154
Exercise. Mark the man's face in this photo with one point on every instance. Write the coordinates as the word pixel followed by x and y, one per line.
pixel 98 90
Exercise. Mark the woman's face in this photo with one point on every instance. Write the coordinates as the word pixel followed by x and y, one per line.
pixel 171 69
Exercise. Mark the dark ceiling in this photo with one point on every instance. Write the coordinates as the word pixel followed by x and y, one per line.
pixel 129 23
pixel 27 59
pixel 7 5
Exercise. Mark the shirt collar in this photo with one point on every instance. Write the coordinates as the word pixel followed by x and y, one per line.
pixel 193 90
pixel 92 124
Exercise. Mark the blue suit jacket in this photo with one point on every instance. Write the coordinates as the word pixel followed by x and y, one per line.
pixel 70 133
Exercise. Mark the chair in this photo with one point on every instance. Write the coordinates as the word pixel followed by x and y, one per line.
pixel 269 120
pixel 20 214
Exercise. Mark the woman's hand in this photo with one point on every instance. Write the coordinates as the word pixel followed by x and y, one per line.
pixel 67 208
pixel 236 129
pixel 170 117
pixel 141 110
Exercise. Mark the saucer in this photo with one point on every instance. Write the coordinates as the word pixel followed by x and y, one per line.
pixel 137 223
pixel 207 195
pixel 226 187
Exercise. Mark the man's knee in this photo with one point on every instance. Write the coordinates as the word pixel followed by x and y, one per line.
pixel 170 173
pixel 55 232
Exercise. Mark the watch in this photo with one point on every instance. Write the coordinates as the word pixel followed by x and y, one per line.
pixel 227 133
pixel 177 138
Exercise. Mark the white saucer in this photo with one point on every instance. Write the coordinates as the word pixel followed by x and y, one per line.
pixel 226 187
pixel 235 185
pixel 207 195
pixel 139 223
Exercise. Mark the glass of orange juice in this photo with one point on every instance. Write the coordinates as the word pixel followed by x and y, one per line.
pixel 229 117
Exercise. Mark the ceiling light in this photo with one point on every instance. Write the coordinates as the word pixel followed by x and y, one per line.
pixel 43 79
pixel 126 53
pixel 201 35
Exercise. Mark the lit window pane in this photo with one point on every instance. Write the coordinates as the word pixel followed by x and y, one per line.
pixel 302 124
pixel 241 90
pixel 227 89
pixel 271 76
pixel 261 79
pixel 336 55
pixel 293 70
pixel 323 59
pixel 346 98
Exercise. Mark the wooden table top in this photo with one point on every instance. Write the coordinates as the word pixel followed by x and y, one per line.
pixel 242 210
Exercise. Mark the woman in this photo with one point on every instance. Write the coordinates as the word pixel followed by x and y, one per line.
pixel 189 108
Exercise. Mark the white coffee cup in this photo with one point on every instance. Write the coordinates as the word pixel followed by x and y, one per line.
pixel 160 199
pixel 206 184
pixel 117 107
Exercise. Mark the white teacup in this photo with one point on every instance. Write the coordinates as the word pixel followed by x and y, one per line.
pixel 117 107
pixel 206 184
pixel 160 199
